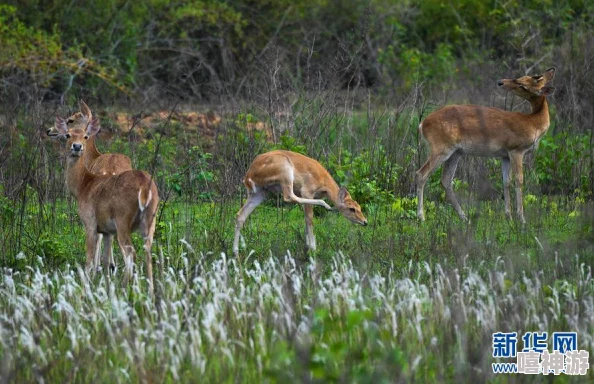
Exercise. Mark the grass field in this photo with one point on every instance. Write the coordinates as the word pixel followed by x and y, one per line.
pixel 396 301
pixel 399 300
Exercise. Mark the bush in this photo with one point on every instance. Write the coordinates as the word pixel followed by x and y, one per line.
pixel 369 176
pixel 563 164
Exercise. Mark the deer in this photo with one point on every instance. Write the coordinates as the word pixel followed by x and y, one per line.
pixel 98 163
pixel 300 179
pixel 472 130
pixel 110 204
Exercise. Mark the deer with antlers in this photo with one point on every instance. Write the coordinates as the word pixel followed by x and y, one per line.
pixel 300 180
pixel 110 204
pixel 98 163
pixel 473 130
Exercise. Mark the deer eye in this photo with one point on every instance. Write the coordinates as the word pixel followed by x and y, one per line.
pixel 69 121
pixel 67 135
pixel 86 137
pixel 352 210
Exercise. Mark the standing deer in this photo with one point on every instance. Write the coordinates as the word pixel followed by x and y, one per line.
pixel 98 163
pixel 301 180
pixel 110 204
pixel 474 130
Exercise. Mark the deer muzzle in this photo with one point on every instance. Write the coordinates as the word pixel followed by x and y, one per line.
pixel 76 149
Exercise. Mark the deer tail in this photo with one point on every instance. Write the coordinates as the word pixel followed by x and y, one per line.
pixel 147 200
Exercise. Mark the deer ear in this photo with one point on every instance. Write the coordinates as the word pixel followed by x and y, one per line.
pixel 546 91
pixel 342 194
pixel 61 126
pixel 549 74
pixel 93 127
pixel 85 110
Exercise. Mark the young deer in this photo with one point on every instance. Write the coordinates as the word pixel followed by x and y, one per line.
pixel 474 130
pixel 110 204
pixel 301 180
pixel 98 163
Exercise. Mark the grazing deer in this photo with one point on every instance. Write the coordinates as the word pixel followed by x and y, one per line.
pixel 301 180
pixel 98 163
pixel 110 204
pixel 473 130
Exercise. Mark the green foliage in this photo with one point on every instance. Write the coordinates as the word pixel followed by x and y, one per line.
pixel 330 352
pixel 6 209
pixel 563 164
pixel 415 66
pixel 26 48
pixel 369 176
pixel 54 250
pixel 192 15
pixel 209 44
pixel 407 208
pixel 290 143
pixel 40 54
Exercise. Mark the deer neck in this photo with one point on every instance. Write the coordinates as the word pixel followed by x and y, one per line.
pixel 91 151
pixel 540 114
pixel 332 191
pixel 77 175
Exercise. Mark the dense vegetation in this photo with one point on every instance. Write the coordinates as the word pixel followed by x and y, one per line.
pixel 193 90
pixel 208 49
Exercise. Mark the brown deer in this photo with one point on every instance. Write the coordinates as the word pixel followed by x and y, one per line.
pixel 301 180
pixel 473 130
pixel 110 204
pixel 98 163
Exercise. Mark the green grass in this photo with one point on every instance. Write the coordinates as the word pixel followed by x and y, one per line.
pixel 393 237
pixel 397 300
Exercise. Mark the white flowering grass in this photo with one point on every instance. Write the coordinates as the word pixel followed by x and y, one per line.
pixel 278 320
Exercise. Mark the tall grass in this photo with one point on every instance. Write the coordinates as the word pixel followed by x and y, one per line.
pixel 277 320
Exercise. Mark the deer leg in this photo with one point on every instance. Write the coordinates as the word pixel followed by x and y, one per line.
pixel 253 200
pixel 91 240
pixel 447 176
pixel 421 178
pixel 505 168
pixel 516 163
pixel 148 230
pixel 128 251
pixel 106 252
pixel 310 239
pixel 108 243
pixel 98 250
pixel 290 197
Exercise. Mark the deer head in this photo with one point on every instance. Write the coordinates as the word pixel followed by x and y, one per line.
pixel 530 87
pixel 349 208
